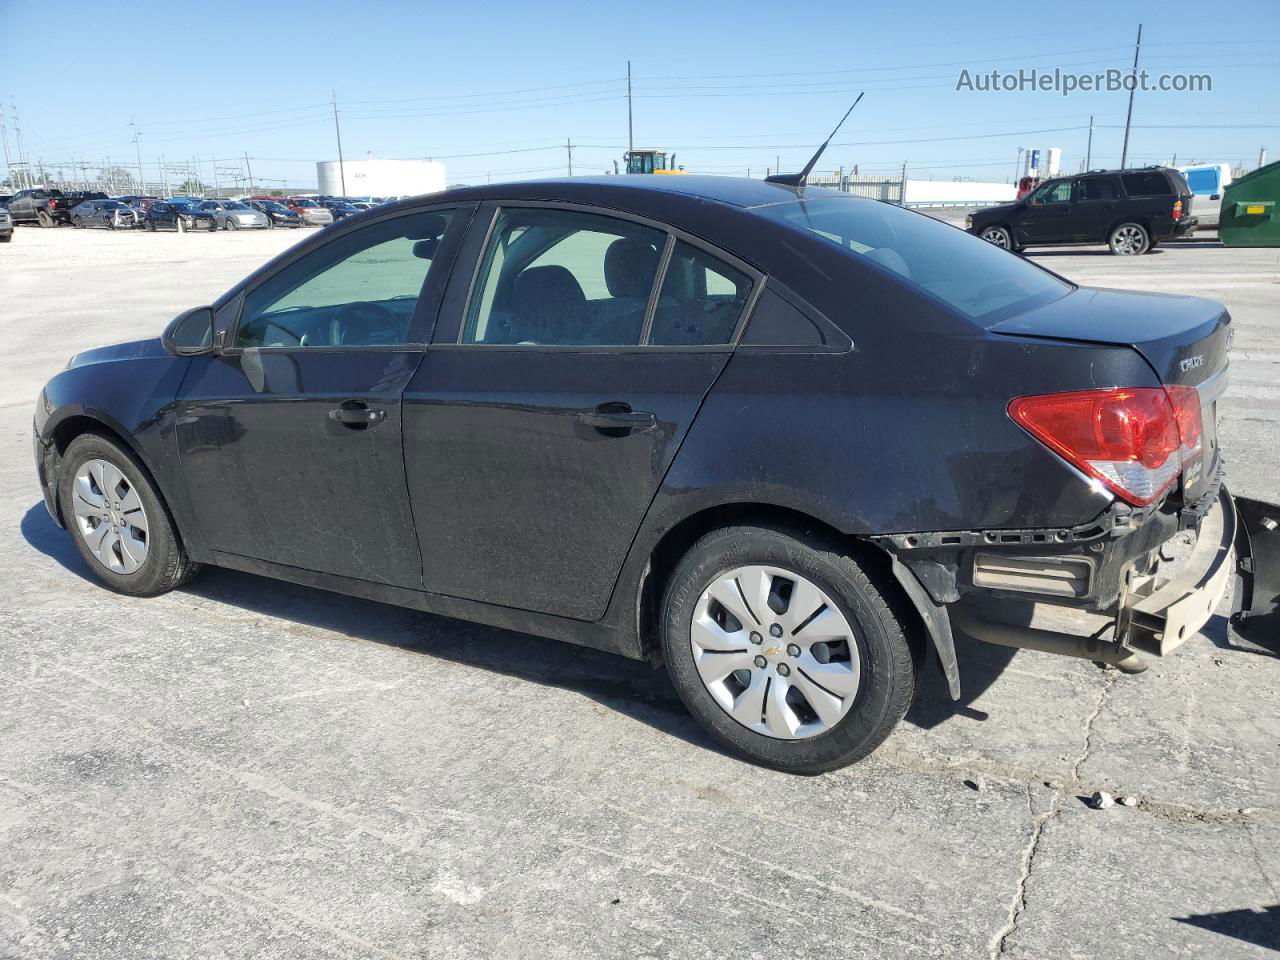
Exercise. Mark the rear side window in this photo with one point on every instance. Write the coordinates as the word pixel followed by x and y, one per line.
pixel 564 278
pixel 700 302
pixel 1148 183
pixel 974 277
pixel 1097 188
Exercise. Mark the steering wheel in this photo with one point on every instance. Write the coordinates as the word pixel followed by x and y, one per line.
pixel 370 323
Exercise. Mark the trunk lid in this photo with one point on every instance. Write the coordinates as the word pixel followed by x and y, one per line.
pixel 1184 339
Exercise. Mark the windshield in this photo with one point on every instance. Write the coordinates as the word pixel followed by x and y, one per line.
pixel 304 203
pixel 273 207
pixel 182 204
pixel 113 205
pixel 234 205
pixel 983 282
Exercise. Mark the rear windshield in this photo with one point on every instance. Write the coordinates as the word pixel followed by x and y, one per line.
pixel 983 282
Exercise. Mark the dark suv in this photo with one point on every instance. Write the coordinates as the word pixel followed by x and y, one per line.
pixel 1130 210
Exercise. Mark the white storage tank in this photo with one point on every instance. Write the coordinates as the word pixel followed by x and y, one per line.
pixel 380 178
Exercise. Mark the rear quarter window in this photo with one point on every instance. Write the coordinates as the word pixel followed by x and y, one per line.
pixel 1149 183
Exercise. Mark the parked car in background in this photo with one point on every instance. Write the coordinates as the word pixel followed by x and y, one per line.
pixel 1208 182
pixel 48 207
pixel 340 208
pixel 5 198
pixel 6 225
pixel 180 215
pixel 112 214
pixel 277 214
pixel 234 215
pixel 311 212
pixel 1130 210
pixel 652 434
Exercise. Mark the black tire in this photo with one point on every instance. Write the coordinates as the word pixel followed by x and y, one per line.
pixel 229 224
pixel 7 237
pixel 889 664
pixel 1129 239
pixel 43 218
pixel 998 236
pixel 151 226
pixel 77 223
pixel 166 564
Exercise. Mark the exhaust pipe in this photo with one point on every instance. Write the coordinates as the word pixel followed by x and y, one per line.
pixel 1047 641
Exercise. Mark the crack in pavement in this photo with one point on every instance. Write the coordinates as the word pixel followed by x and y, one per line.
pixel 1041 821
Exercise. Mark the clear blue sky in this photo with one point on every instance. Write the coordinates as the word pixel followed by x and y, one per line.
pixel 730 86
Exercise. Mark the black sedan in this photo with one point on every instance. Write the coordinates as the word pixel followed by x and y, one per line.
pixel 277 214
pixel 180 215
pixel 112 214
pixel 776 440
pixel 340 209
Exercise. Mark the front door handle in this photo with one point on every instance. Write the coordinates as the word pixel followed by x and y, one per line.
pixel 357 414
pixel 617 419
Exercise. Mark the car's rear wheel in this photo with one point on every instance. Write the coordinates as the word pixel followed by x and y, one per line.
pixel 77 223
pixel 120 527
pixel 231 224
pixel 43 218
pixel 1129 240
pixel 785 649
pixel 151 225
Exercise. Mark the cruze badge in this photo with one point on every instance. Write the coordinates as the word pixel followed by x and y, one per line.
pixel 1191 363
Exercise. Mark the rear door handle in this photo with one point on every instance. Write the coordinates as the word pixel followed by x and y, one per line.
pixel 617 417
pixel 356 413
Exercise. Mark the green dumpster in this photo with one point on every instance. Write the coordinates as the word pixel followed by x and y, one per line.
pixel 1251 209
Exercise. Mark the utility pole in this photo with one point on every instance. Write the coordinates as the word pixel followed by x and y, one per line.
pixel 4 138
pixel 164 178
pixel 22 153
pixel 1124 151
pixel 902 195
pixel 248 170
pixel 568 146
pixel 142 187
pixel 1262 156
pixel 342 173
pixel 1088 151
pixel 631 141
pixel 1017 166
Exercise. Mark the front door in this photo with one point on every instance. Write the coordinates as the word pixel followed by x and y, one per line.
pixel 290 438
pixel 536 438
pixel 1046 216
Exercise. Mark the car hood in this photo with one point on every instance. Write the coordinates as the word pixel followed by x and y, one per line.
pixel 132 350
pixel 1000 210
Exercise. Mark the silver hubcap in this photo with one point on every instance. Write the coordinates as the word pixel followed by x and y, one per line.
pixel 775 652
pixel 997 237
pixel 1130 240
pixel 110 516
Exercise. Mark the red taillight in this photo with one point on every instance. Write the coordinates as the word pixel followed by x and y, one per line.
pixel 1135 440
pixel 1177 210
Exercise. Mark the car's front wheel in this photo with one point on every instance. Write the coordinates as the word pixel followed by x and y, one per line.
pixel 120 527
pixel 785 649
pixel 999 236
pixel 1129 240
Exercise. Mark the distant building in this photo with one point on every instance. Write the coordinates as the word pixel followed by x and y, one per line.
pixel 380 178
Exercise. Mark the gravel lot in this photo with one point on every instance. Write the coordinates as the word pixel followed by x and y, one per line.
pixel 252 769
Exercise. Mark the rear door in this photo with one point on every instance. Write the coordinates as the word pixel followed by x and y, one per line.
pixel 1096 207
pixel 290 438
pixel 566 370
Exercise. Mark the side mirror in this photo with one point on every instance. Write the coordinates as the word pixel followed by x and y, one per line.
pixel 190 334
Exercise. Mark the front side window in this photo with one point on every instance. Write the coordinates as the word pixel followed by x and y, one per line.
pixel 1058 192
pixel 358 290
pixel 974 277
pixel 563 278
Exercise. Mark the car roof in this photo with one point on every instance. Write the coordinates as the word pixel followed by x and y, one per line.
pixel 632 191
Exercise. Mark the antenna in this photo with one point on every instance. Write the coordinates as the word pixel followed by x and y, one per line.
pixel 797 179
